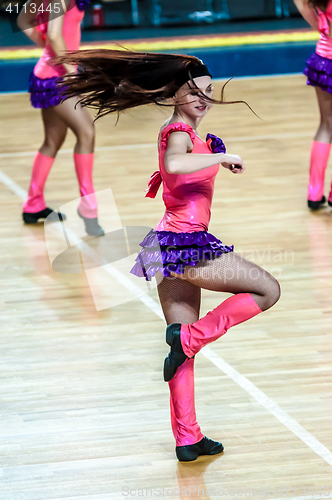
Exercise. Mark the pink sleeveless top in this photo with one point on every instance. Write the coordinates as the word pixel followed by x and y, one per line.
pixel 187 197
pixel 71 33
pixel 324 45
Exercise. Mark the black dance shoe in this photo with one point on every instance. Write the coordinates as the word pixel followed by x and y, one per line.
pixel 33 217
pixel 316 205
pixel 91 226
pixel 176 356
pixel 190 452
pixel 329 203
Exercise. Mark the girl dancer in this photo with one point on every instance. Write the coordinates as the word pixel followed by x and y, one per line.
pixel 180 252
pixel 318 13
pixel 55 26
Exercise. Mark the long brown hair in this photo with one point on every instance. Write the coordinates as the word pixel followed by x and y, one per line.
pixel 115 80
pixel 321 4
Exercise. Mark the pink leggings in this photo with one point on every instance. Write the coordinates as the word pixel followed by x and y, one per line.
pixel 41 167
pixel 234 310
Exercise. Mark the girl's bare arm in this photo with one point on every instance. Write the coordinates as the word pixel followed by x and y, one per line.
pixel 54 31
pixel 26 21
pixel 308 13
pixel 180 160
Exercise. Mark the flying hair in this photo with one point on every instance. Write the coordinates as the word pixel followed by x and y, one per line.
pixel 112 81
pixel 320 4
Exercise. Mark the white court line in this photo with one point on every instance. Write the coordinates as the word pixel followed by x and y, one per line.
pixel 246 138
pixel 272 407
pixel 111 270
pixel 227 369
pixel 7 181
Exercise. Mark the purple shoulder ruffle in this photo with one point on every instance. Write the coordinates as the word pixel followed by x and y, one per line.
pixel 215 144
pixel 82 4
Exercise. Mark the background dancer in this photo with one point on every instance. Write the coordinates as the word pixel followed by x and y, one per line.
pixel 183 256
pixel 318 13
pixel 57 33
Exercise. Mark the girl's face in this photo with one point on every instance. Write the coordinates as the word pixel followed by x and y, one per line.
pixel 194 106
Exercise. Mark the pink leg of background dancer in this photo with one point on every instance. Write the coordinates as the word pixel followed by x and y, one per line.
pixel 320 151
pixel 319 156
pixel 57 120
pixel 41 167
pixel 83 167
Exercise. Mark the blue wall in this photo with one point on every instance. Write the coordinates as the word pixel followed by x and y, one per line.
pixel 14 75
pixel 255 60
pixel 249 60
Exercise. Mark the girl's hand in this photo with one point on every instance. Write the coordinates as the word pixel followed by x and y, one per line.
pixel 234 163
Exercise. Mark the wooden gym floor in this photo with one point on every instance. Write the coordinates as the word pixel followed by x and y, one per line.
pixel 84 410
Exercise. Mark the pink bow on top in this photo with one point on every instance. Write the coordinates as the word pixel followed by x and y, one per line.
pixel 153 185
pixel 323 25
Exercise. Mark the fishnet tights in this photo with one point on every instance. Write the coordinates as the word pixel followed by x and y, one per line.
pixel 180 295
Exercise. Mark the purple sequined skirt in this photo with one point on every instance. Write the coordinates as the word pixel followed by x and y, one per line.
pixel 43 91
pixel 166 252
pixel 319 72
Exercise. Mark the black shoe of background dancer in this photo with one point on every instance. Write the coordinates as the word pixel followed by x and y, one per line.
pixel 329 203
pixel 176 356
pixel 33 217
pixel 316 205
pixel 91 226
pixel 192 451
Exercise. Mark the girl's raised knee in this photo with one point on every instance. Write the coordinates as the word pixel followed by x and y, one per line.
pixel 273 294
